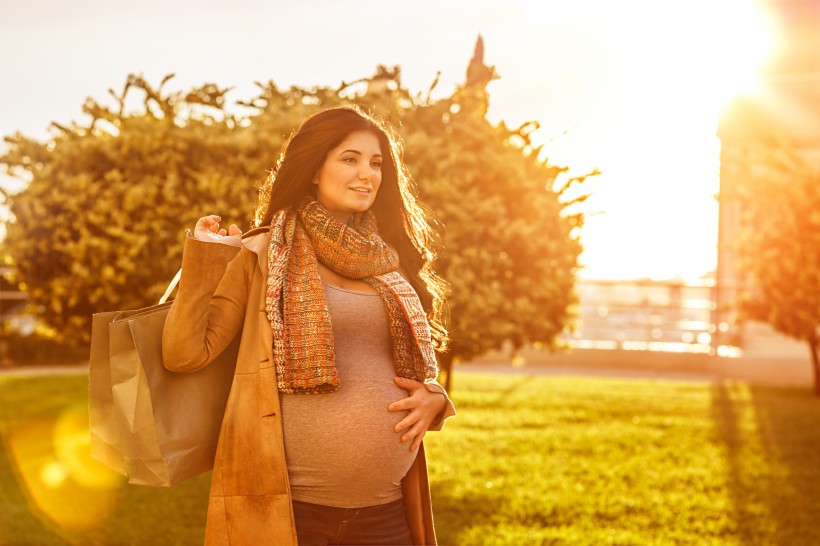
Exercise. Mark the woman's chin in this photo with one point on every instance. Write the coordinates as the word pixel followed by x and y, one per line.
pixel 361 206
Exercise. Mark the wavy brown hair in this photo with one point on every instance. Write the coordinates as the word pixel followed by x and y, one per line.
pixel 400 216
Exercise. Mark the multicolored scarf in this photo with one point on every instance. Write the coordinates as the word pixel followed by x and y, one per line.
pixel 297 309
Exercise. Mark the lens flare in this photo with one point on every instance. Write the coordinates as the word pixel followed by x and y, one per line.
pixel 53 474
pixel 72 443
pixel 56 473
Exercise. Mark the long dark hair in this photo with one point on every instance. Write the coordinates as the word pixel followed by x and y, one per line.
pixel 401 218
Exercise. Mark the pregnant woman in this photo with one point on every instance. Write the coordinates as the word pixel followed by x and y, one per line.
pixel 338 313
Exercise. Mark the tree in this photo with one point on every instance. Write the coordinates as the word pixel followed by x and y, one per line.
pixel 98 226
pixel 109 198
pixel 778 246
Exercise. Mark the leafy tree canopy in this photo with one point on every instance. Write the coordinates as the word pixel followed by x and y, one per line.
pixel 778 246
pixel 100 225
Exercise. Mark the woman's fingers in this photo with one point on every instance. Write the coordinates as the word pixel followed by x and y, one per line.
pixel 422 406
pixel 406 403
pixel 412 432
pixel 409 420
pixel 207 221
pixel 416 434
pixel 417 441
pixel 401 405
pixel 207 229
pixel 416 431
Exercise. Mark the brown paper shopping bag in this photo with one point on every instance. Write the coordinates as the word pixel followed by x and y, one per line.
pixel 105 438
pixel 155 426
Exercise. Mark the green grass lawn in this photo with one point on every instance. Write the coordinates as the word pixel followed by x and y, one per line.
pixel 546 460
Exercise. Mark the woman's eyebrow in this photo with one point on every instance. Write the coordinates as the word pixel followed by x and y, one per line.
pixel 357 152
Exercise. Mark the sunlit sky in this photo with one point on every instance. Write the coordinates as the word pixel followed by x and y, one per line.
pixel 633 88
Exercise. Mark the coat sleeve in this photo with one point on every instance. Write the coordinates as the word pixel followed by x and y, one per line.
pixel 449 409
pixel 210 305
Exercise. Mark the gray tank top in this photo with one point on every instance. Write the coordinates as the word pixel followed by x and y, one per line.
pixel 340 447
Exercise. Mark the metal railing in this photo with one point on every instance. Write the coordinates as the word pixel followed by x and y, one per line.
pixel 645 314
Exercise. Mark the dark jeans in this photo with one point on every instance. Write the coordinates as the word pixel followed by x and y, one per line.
pixel 383 524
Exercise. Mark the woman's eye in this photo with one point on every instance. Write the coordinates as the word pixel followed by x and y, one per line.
pixel 377 164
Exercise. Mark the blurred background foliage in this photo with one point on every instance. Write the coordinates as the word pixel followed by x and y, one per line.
pixel 778 244
pixel 100 224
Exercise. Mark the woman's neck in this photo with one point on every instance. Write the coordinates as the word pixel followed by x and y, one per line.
pixel 342 217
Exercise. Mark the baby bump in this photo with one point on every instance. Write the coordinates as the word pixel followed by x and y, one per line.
pixel 342 449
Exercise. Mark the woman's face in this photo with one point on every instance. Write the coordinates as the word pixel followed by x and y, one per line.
pixel 350 177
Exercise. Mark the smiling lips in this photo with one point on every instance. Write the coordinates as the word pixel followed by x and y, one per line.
pixel 361 190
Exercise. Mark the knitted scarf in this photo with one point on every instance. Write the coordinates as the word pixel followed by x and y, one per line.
pixel 297 309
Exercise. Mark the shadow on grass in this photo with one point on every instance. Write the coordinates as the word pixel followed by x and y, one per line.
pixel 788 421
pixel 453 514
pixel 771 438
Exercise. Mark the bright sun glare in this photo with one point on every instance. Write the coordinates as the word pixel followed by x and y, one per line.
pixel 665 73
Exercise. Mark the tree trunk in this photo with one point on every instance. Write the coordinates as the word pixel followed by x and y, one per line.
pixel 815 364
pixel 446 361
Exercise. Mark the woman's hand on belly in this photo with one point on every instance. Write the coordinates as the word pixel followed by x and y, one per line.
pixel 422 408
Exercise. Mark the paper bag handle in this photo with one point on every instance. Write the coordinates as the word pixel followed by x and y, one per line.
pixel 171 286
